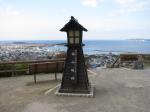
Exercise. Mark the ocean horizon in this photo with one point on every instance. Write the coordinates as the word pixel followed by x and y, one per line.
pixel 94 46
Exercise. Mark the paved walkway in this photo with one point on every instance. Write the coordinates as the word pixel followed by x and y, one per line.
pixel 117 90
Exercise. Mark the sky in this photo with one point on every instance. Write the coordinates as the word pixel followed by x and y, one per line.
pixel 104 19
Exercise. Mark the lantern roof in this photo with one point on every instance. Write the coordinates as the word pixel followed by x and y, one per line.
pixel 73 25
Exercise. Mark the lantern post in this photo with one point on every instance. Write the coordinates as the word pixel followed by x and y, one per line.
pixel 75 77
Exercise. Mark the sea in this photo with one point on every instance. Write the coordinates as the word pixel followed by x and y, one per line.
pixel 95 46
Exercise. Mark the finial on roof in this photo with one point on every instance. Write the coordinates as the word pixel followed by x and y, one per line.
pixel 72 17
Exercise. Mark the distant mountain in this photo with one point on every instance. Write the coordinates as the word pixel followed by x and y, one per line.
pixel 19 42
pixel 140 39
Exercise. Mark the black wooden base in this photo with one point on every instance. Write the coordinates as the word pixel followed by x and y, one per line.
pixel 89 93
pixel 75 77
pixel 74 91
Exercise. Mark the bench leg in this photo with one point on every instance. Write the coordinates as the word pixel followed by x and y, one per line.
pixel 13 74
pixel 55 76
pixel 35 78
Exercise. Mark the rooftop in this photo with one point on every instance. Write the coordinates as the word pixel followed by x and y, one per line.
pixel 73 25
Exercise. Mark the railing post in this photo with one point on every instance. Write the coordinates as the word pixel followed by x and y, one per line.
pixel 13 70
pixel 35 70
pixel 56 71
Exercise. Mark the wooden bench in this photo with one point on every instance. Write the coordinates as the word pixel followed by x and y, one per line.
pixel 46 67
pixel 135 59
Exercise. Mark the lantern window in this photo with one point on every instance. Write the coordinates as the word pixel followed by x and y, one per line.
pixel 77 40
pixel 71 40
pixel 71 33
pixel 76 33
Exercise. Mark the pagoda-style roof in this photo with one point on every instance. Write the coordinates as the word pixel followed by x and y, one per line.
pixel 73 25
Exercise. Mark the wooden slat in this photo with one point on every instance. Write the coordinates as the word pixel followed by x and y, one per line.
pixel 22 70
pixel 32 61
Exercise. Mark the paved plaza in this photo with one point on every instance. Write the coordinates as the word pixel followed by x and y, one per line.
pixel 117 90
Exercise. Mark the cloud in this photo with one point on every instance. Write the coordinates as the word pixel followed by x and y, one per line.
pixel 21 24
pixel 17 24
pixel 134 5
pixel 130 6
pixel 91 3
pixel 130 3
pixel 114 28
pixel 109 24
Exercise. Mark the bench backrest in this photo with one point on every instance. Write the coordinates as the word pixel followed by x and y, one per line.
pixel 129 57
pixel 46 67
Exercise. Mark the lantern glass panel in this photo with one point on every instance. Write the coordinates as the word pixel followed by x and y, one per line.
pixel 70 33
pixel 77 33
pixel 71 40
pixel 77 40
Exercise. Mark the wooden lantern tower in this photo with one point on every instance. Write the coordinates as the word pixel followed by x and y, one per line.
pixel 75 78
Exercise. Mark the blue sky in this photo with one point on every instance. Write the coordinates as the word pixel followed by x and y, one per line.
pixel 104 19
